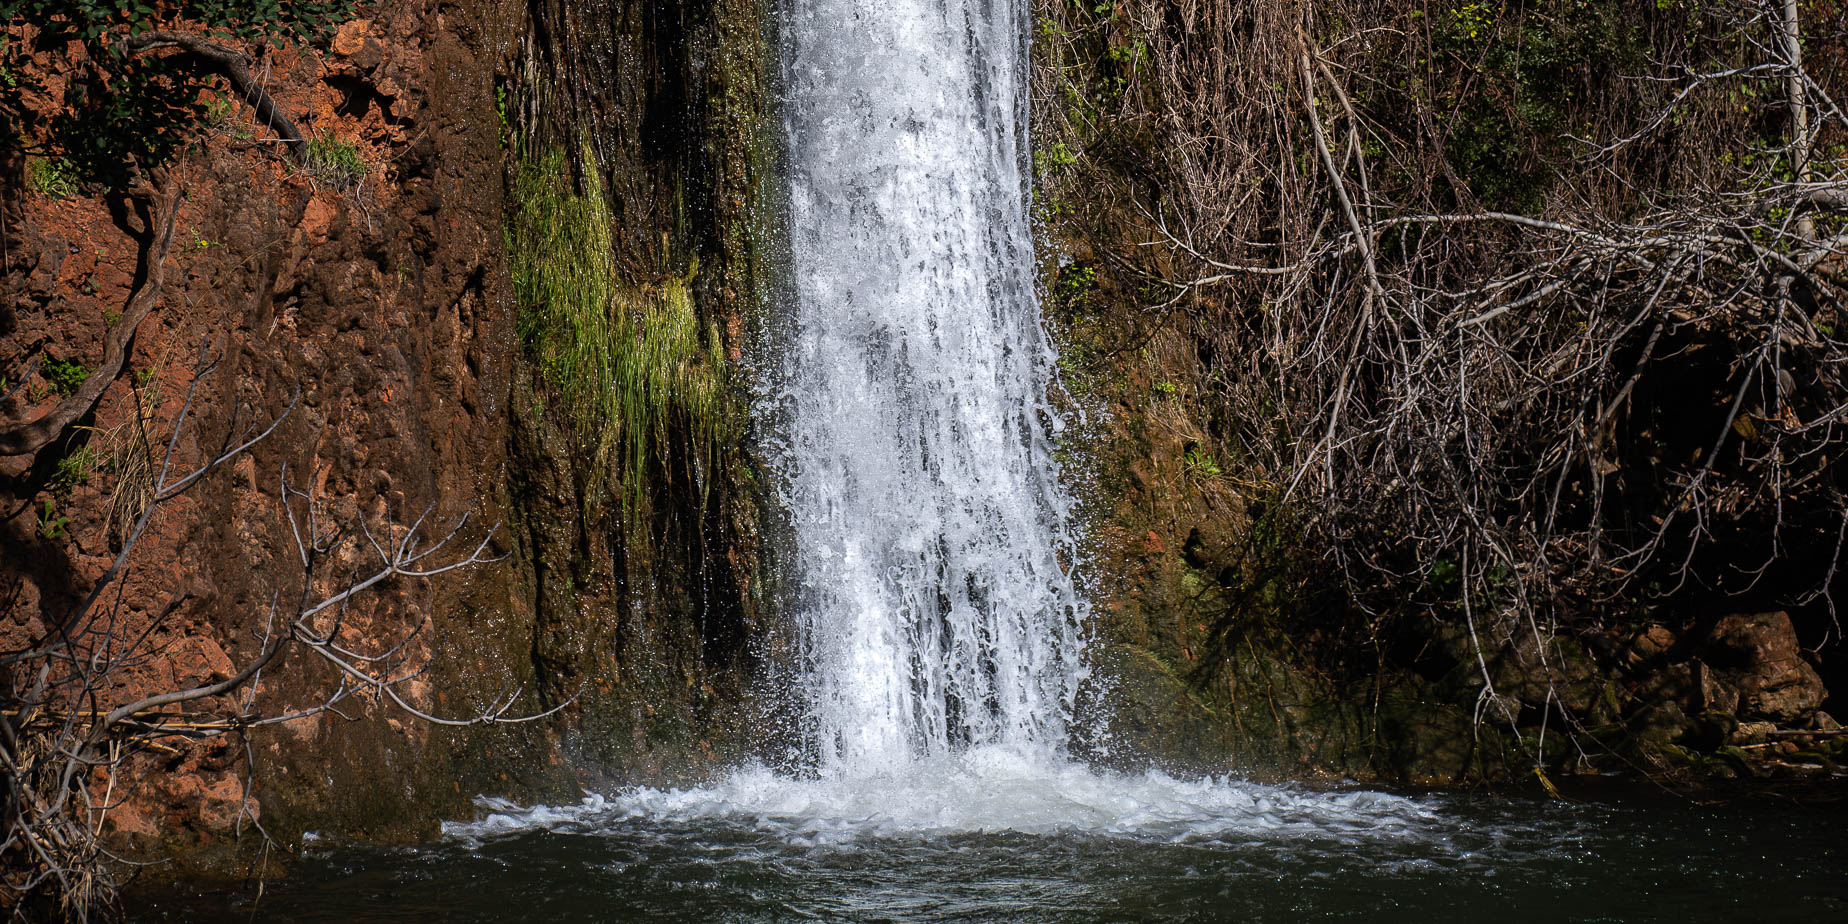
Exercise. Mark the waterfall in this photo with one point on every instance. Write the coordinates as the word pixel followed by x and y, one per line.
pixel 940 634
pixel 931 556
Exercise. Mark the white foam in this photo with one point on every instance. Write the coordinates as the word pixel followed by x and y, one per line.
pixel 985 790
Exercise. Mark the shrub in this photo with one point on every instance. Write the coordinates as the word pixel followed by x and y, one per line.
pixel 65 376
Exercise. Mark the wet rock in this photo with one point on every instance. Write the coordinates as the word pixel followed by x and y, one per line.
pixel 1156 716
pixel 1714 694
pixel 1558 670
pixel 1711 731
pixel 1661 723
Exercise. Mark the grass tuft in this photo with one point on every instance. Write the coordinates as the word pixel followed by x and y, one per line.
pixel 335 162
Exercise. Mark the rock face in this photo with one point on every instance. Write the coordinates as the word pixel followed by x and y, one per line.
pixel 1756 667
pixel 385 303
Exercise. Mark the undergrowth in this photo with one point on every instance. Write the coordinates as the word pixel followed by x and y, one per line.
pixel 53 178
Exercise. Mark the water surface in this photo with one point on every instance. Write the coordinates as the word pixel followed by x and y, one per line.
pixel 993 844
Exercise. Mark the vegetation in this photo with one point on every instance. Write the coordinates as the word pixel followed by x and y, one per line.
pixel 65 376
pixel 125 109
pixel 633 367
pixel 74 469
pixel 334 162
pixel 1524 318
pixel 52 177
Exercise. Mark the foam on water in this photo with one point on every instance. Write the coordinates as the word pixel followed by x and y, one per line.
pixel 985 790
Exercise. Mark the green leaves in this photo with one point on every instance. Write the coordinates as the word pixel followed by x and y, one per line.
pixel 123 110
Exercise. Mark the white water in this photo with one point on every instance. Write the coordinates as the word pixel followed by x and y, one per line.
pixel 931 551
pixel 940 631
pixel 988 789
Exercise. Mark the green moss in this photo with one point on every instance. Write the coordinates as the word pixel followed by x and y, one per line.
pixel 633 366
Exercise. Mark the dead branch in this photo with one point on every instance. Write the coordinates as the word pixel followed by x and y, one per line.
pixel 235 66
pixel 23 437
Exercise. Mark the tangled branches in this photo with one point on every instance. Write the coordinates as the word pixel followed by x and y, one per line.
pixel 1526 384
pixel 77 706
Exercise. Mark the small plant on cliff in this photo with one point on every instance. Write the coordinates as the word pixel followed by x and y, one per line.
pixel 65 376
pixel 74 469
pixel 51 523
pixel 1200 465
pixel 334 162
pixel 52 177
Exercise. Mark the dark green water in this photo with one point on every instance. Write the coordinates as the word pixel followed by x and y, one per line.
pixel 1473 858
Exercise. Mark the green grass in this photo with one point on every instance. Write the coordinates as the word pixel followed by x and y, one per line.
pixel 335 162
pixel 53 178
pixel 633 366
pixel 74 469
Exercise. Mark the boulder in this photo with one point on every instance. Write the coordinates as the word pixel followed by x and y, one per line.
pixel 1757 657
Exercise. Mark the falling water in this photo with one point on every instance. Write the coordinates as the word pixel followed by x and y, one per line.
pixel 935 602
pixel 941 634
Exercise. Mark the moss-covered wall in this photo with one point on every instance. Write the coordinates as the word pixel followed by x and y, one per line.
pixel 639 144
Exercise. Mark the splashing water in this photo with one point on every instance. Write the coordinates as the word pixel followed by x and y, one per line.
pixel 989 789
pixel 940 630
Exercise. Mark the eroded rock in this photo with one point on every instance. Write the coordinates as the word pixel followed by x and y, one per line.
pixel 1756 659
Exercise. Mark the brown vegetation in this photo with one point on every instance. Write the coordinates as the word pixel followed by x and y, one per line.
pixel 1528 318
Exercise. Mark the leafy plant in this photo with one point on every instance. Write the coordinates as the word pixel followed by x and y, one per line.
pixel 64 376
pixel 1199 464
pixel 52 177
pixel 51 524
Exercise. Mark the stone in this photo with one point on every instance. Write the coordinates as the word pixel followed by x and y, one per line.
pixel 1653 642
pixel 1758 655
pixel 1753 732
pixel 1715 694
pixel 351 36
